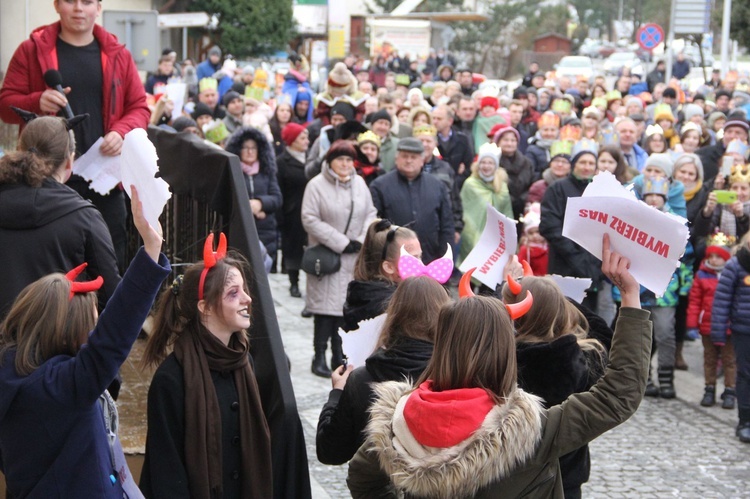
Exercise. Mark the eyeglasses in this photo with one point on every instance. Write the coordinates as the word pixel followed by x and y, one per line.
pixel 388 240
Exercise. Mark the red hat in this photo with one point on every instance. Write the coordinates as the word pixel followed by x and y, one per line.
pixel 721 251
pixel 290 132
pixel 489 101
pixel 503 129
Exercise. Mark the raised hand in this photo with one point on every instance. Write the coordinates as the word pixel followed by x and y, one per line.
pixel 152 236
pixel 616 268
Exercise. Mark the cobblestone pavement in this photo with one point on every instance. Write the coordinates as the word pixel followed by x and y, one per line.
pixel 669 448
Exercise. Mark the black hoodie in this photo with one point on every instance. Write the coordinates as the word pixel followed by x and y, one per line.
pixel 51 229
pixel 344 417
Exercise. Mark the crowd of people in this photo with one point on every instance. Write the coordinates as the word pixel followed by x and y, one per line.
pixel 377 188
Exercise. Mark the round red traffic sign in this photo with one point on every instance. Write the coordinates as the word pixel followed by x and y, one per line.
pixel 649 36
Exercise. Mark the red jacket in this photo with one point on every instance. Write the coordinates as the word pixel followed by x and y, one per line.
pixel 124 99
pixel 537 256
pixel 701 300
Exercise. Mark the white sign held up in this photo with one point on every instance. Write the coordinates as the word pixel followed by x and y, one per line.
pixel 653 240
pixel 490 255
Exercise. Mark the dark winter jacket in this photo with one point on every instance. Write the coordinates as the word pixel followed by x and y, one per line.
pixel 443 171
pixel 680 69
pixel 456 150
pixel 731 308
pixel 520 177
pixel 701 300
pixel 52 437
pixel 263 186
pixel 554 371
pixel 566 258
pixel 515 451
pixel 124 99
pixel 539 157
pixel 292 181
pixel 423 202
pixel 365 300
pixel 343 419
pixel 710 158
pixel 51 229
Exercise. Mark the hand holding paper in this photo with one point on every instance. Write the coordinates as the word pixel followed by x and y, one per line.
pixel 138 168
pixel 361 343
pixel 493 250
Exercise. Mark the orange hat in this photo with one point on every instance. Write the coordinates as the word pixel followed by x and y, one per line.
pixel 548 119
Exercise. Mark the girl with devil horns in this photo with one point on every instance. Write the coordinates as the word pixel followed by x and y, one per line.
pixel 57 429
pixel 466 429
pixel 207 433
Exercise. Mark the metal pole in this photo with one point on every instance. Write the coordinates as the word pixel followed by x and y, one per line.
pixel 184 43
pixel 619 12
pixel 725 21
pixel 670 41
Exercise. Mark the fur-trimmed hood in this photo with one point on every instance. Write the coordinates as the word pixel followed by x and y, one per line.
pixel 507 438
pixel 265 151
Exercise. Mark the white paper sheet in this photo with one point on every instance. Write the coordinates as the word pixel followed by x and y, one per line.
pixel 138 168
pixel 360 343
pixel 103 172
pixel 176 93
pixel 496 245
pixel 572 287
pixel 653 240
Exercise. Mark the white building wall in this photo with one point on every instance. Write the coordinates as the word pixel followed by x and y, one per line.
pixel 18 18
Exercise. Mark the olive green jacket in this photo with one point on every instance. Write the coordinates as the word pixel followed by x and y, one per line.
pixel 515 452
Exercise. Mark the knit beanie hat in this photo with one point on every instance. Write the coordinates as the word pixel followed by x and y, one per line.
pixel 344 109
pixel 663 112
pixel 229 97
pixel 532 218
pixel 690 126
pixel 502 129
pixel 380 114
pixel 583 146
pixel 340 76
pixel 686 158
pixel 290 132
pixel 662 161
pixel 690 110
pixel 341 148
pixel 183 122
pixel 489 101
pixel 201 110
pixel 718 244
pixel 489 150
pixel 215 50
pixel 714 116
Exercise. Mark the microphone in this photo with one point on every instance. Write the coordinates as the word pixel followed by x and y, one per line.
pixel 53 79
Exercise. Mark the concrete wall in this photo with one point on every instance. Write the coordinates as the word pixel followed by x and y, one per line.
pixel 18 18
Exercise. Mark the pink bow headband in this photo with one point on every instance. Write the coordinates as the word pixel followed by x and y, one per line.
pixel 440 269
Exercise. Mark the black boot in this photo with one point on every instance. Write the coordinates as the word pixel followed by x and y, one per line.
pixel 651 389
pixel 743 431
pixel 666 383
pixel 709 396
pixel 294 291
pixel 729 398
pixel 319 367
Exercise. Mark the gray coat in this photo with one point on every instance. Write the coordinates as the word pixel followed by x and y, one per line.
pixel 325 210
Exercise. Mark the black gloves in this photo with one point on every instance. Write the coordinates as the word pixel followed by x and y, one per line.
pixel 353 247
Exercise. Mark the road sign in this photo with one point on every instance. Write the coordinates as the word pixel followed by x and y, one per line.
pixel 184 20
pixel 649 36
pixel 691 17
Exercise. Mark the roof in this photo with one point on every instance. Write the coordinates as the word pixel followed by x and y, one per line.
pixel 552 35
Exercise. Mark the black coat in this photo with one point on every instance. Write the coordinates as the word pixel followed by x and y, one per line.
pixel 423 202
pixel 443 171
pixel 292 182
pixel 520 177
pixel 538 156
pixel 344 417
pixel 365 300
pixel 262 186
pixel 456 150
pixel 51 229
pixel 710 157
pixel 566 258
pixel 164 474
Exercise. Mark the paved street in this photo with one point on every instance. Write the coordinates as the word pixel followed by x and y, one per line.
pixel 668 449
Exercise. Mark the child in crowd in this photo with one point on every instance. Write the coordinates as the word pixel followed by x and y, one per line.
pixel 659 166
pixel 699 318
pixel 533 249
pixel 731 313
pixel 654 193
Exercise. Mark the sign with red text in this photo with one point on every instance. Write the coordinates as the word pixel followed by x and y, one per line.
pixel 490 255
pixel 653 240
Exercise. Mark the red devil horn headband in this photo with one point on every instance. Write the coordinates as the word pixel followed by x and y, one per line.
pixel 515 310
pixel 82 287
pixel 210 257
pixel 515 286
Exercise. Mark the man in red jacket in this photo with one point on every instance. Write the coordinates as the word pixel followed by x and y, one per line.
pixel 100 78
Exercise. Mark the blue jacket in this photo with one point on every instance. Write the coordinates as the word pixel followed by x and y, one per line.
pixel 206 70
pixel 52 437
pixel 731 306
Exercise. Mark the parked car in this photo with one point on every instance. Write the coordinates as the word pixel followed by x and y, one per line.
pixel 590 47
pixel 607 49
pixel 575 65
pixel 615 62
